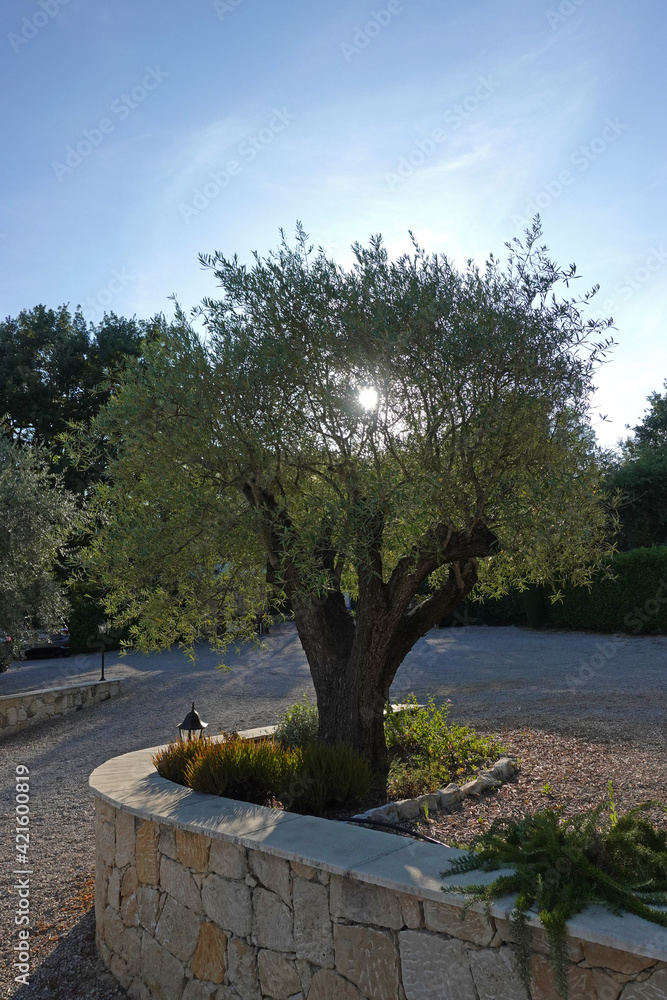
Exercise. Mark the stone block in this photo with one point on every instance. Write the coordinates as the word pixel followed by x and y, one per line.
pixel 313 935
pixel 113 930
pixel 179 883
pixel 163 974
pixel 178 930
pixel 581 985
pixel 277 976
pixel 228 860
pixel 125 840
pixel 192 850
pixel 303 871
pixel 273 873
pixel 197 990
pixel 271 921
pixel 147 861
pixel 434 967
pixel 364 903
pixel 131 950
pixel 369 959
pixel 411 910
pixel 606 988
pixel 208 961
pixel 228 904
pixel 328 985
pixel 654 988
pixel 242 969
pixel 120 971
pixel 129 882
pixel 128 910
pixel 474 787
pixel 428 804
pixel 113 889
pixel 106 843
pixel 539 940
pixel 407 808
pixel 618 961
pixel 167 842
pixel 101 883
pixel 305 970
pixel 446 919
pixel 148 907
pixel 496 974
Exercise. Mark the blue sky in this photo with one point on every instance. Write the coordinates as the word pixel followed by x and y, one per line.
pixel 138 134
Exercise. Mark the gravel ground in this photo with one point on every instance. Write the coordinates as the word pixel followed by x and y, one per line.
pixel 594 704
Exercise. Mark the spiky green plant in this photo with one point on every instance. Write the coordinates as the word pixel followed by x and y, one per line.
pixel 563 865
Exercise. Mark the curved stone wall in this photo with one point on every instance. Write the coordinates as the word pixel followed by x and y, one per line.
pixel 202 898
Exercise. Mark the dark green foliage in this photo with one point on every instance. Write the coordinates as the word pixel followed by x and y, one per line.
pixel 563 865
pixel 635 601
pixel 84 636
pixel 328 778
pixel 309 780
pixel 642 481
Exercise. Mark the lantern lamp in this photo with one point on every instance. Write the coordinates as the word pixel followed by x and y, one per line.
pixel 192 727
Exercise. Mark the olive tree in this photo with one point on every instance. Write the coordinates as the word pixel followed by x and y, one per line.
pixel 403 431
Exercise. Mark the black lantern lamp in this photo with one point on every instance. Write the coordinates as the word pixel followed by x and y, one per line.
pixel 102 628
pixel 192 727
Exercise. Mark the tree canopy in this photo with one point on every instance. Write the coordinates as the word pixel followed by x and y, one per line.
pixel 246 459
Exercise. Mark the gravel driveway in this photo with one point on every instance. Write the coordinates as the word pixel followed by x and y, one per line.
pixel 597 686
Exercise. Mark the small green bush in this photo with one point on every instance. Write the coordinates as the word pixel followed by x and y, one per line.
pixel 243 769
pixel 297 727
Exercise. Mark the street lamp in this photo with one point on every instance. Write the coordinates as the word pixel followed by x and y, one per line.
pixel 192 727
pixel 102 629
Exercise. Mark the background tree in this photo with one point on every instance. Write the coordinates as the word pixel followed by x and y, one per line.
pixel 36 516
pixel 640 473
pixel 255 446
pixel 55 371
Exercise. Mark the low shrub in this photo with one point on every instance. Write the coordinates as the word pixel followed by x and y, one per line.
pixel 297 727
pixel 563 865
pixel 328 778
pixel 311 780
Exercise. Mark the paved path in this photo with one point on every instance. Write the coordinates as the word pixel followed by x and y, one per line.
pixel 593 685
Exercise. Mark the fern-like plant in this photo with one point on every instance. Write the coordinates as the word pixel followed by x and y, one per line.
pixel 563 865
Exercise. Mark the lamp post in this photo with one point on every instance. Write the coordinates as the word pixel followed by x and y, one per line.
pixel 192 727
pixel 102 628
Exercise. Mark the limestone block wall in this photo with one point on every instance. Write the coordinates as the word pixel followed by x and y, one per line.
pixel 198 898
pixel 18 711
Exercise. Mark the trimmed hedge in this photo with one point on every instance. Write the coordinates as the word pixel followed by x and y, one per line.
pixel 635 602
pixel 83 634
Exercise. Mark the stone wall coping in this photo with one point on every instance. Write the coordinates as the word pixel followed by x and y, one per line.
pixel 131 783
pixel 63 689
